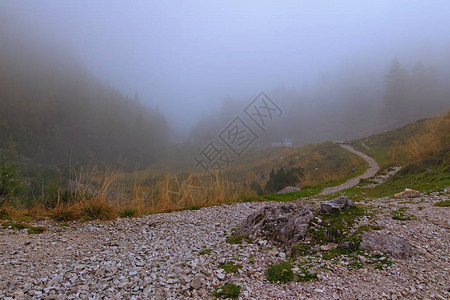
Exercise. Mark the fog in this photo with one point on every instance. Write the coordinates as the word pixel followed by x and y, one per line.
pixel 184 58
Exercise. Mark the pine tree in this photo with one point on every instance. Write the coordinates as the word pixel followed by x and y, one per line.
pixel 397 106
pixel 10 183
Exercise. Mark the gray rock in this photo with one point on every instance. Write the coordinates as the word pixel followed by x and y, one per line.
pixel 394 245
pixel 339 203
pixel 407 193
pixel 344 246
pixel 196 283
pixel 286 224
pixel 288 189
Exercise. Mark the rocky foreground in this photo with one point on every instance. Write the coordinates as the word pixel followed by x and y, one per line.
pixel 166 256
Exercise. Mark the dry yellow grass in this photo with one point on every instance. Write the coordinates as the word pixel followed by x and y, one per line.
pixel 102 194
pixel 434 139
pixel 99 193
pixel 175 193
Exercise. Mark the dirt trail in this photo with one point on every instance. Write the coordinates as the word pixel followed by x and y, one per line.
pixel 371 171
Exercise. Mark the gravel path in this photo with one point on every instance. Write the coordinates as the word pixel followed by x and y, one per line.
pixel 157 257
pixel 371 171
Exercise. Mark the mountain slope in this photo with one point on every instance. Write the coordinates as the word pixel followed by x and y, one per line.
pixel 53 111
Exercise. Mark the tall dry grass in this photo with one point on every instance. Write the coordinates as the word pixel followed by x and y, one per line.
pixel 175 193
pixel 102 194
pixel 434 139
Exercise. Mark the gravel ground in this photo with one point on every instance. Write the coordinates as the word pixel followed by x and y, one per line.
pixel 157 257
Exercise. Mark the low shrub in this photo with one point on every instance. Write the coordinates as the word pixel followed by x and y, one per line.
pixel 305 275
pixel 204 251
pixel 98 210
pixel 230 267
pixel 14 225
pixel 127 213
pixel 280 179
pixel 444 203
pixel 237 239
pixel 229 290
pixel 401 215
pixel 36 230
pixel 64 213
pixel 280 272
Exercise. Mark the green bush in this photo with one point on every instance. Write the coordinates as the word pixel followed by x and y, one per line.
pixel 280 179
pixel 305 275
pixel 230 267
pixel 237 239
pixel 127 213
pixel 229 290
pixel 280 272
pixel 257 188
pixel 204 251
pixel 16 226
pixel 444 203
pixel 302 250
pixel 401 215
pixel 36 230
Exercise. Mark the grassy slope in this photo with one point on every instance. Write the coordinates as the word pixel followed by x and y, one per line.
pixel 325 162
pixel 426 171
pixel 380 144
pixel 322 162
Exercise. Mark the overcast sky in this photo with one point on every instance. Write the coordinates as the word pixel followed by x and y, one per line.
pixel 187 56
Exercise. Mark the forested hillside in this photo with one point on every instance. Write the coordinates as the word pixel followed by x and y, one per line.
pixel 351 102
pixel 54 112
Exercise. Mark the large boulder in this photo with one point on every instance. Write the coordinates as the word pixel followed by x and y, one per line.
pixel 286 224
pixel 396 246
pixel 288 189
pixel 407 193
pixel 336 204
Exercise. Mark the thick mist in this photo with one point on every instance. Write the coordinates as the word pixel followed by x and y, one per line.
pixel 187 57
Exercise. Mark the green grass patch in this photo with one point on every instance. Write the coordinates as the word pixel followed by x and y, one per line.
pixel 127 213
pixel 400 214
pixel 237 239
pixel 355 264
pixel 445 203
pixel 251 259
pixel 229 290
pixel 193 207
pixel 204 251
pixel 305 192
pixel 335 252
pixel 36 230
pixel 335 227
pixel 230 267
pixel 280 272
pixel 305 275
pixel 302 250
pixel 382 262
pixel 14 225
pixel 21 226
pixel 422 177
pixel 365 228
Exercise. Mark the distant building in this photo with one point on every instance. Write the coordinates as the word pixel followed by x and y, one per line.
pixel 283 142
